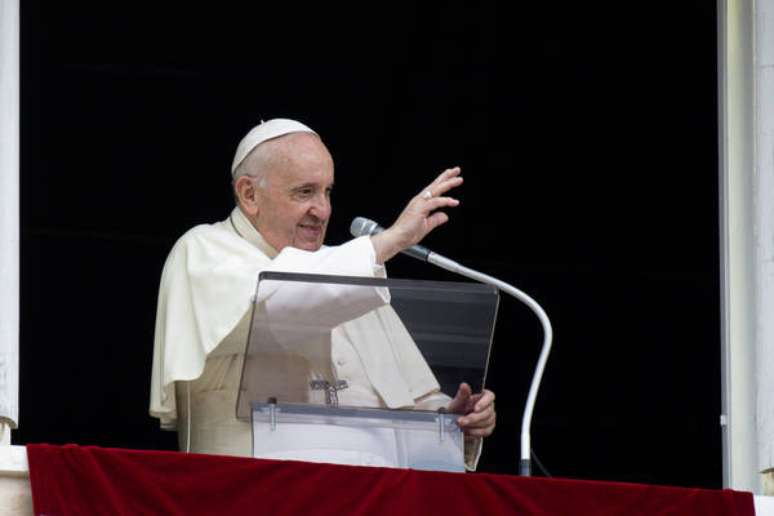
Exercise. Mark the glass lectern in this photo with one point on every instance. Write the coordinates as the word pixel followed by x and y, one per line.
pixel 360 370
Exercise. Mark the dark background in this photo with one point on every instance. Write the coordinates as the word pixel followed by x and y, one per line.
pixel 587 134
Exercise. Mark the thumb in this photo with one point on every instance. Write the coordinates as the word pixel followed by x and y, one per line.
pixel 460 401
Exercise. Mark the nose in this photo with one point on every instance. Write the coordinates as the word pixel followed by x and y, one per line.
pixel 321 206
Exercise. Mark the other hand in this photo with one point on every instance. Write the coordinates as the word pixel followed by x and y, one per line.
pixel 477 411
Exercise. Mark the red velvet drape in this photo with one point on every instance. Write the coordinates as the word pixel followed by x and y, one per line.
pixel 90 480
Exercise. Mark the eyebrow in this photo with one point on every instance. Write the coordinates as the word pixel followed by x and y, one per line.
pixel 307 185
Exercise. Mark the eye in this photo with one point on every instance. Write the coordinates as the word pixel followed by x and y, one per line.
pixel 303 192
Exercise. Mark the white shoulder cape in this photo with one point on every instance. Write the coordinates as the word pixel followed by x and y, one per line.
pixel 206 288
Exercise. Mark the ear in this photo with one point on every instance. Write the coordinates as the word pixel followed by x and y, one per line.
pixel 247 195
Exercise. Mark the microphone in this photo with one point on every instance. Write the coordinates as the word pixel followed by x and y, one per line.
pixel 362 226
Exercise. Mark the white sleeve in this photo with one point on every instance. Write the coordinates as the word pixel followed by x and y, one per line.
pixel 322 305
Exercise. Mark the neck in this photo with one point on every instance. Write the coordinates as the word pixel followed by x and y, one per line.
pixel 245 228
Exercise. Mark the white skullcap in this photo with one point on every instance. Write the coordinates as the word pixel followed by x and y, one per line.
pixel 266 131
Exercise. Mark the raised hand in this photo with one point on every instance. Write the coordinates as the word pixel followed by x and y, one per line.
pixel 419 217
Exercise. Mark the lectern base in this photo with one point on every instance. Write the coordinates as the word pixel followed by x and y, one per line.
pixel 358 436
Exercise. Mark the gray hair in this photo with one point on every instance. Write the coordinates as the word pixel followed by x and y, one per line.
pixel 255 166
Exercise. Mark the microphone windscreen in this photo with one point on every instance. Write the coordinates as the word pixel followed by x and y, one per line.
pixel 362 226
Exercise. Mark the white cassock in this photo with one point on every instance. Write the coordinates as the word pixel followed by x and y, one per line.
pixel 202 324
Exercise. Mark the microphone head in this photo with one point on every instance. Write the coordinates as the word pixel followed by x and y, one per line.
pixel 362 226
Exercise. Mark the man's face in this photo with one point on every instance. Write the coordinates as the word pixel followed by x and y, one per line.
pixel 294 203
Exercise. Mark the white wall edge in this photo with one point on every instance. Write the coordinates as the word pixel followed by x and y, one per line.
pixel 736 151
pixel 13 461
pixel 9 210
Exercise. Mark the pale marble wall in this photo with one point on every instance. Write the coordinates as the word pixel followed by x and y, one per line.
pixel 15 493
pixel 9 212
pixel 764 230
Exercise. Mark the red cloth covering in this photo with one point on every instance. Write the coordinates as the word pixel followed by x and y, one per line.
pixel 90 480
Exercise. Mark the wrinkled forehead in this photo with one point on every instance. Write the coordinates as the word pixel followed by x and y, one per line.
pixel 298 157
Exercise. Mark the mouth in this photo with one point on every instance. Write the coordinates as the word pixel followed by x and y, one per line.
pixel 310 230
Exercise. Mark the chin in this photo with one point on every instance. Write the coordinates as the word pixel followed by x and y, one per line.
pixel 309 246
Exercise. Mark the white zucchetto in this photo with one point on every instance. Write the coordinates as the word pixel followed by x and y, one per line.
pixel 266 131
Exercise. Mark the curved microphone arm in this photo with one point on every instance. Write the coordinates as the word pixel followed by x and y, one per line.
pixel 525 463
pixel 362 226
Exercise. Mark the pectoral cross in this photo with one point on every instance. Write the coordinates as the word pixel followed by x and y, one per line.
pixel 331 390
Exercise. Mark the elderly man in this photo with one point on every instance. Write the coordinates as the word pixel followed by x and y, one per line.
pixel 282 178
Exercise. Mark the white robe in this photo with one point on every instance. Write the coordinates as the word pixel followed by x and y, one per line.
pixel 201 331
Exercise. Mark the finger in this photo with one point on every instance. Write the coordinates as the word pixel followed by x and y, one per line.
pixel 472 402
pixel 446 174
pixel 461 398
pixel 437 189
pixel 439 202
pixel 475 398
pixel 464 390
pixel 444 186
pixel 477 419
pixel 489 424
pixel 486 400
pixel 480 432
pixel 436 219
pixel 456 402
pixel 479 395
pixel 450 174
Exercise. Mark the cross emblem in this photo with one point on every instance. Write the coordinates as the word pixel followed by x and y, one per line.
pixel 331 390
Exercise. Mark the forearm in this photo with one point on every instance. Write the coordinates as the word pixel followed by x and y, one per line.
pixel 294 302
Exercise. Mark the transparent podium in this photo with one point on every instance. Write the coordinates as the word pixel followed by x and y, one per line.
pixel 356 370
